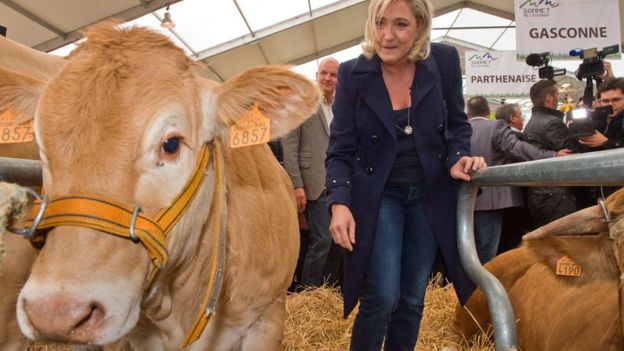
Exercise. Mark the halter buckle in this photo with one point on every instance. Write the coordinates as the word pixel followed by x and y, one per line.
pixel 135 214
pixel 27 233
pixel 605 212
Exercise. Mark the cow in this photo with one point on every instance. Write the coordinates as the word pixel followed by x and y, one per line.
pixel 23 60
pixel 564 283
pixel 128 124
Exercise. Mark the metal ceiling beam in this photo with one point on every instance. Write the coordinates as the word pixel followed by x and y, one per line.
pixel 178 36
pixel 314 36
pixel 325 52
pixel 33 17
pixel 142 9
pixel 279 27
pixel 475 6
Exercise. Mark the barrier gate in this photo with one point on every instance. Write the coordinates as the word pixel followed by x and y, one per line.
pixel 594 168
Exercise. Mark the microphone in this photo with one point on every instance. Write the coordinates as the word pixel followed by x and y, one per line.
pixel 576 52
pixel 534 60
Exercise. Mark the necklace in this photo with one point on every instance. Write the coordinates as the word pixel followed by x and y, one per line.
pixel 408 130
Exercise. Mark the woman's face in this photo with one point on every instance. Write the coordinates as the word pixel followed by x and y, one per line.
pixel 397 30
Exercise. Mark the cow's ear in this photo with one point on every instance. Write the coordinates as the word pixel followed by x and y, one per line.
pixel 19 93
pixel 285 97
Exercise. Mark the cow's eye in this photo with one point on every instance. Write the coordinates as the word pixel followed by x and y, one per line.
pixel 171 146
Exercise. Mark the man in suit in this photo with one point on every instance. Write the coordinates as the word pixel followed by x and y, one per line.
pixel 497 144
pixel 511 114
pixel 304 156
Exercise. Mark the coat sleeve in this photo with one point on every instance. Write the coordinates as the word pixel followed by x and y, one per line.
pixel 290 150
pixel 557 136
pixel 515 149
pixel 458 130
pixel 342 142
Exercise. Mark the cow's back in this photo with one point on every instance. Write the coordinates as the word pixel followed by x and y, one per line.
pixel 553 313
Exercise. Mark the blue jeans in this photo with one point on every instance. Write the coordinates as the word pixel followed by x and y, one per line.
pixel 488 226
pixel 319 243
pixel 401 259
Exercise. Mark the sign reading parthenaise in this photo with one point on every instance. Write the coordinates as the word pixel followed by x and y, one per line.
pixel 559 26
pixel 498 73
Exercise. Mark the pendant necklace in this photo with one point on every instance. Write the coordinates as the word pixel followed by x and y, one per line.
pixel 408 130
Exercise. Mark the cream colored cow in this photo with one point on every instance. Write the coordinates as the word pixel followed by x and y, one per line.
pixel 126 120
pixel 20 59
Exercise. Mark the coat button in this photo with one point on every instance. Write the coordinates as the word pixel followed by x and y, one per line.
pixel 370 170
pixel 440 128
pixel 375 139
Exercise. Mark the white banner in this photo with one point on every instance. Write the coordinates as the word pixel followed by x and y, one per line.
pixel 498 73
pixel 559 26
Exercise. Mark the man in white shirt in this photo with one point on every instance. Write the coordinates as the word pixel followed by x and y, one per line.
pixel 304 160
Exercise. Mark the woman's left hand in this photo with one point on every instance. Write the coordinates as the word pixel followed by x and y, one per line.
pixel 466 165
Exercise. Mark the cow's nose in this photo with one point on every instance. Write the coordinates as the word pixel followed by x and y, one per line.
pixel 64 319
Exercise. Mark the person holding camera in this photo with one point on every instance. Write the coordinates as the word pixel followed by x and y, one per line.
pixel 612 136
pixel 546 130
pixel 609 135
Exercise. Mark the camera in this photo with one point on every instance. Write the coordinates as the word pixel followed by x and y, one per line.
pixel 541 60
pixel 585 121
pixel 592 65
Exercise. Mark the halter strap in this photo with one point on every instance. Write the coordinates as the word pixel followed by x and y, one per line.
pixel 111 217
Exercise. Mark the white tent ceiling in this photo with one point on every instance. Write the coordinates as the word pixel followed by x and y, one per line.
pixel 232 35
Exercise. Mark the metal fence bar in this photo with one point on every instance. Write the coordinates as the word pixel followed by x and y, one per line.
pixel 23 172
pixel 595 168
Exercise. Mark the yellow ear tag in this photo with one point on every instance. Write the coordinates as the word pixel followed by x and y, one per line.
pixel 251 129
pixel 566 266
pixel 11 132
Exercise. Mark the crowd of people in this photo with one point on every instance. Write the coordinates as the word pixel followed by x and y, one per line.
pixel 376 170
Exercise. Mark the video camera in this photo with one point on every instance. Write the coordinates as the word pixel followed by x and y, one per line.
pixel 545 71
pixel 585 122
pixel 593 65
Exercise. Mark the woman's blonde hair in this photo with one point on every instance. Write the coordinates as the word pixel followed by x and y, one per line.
pixel 422 10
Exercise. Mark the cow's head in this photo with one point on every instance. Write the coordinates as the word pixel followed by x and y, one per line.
pixel 126 119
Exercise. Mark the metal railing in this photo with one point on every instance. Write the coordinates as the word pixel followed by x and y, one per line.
pixel 23 172
pixel 595 168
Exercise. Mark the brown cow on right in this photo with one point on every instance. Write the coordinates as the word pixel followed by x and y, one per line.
pixel 559 312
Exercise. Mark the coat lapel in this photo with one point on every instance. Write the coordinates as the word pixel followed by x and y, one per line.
pixel 369 80
pixel 426 78
pixel 323 118
pixel 370 84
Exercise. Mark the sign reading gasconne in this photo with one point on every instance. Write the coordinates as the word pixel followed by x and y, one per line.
pixel 559 26
pixel 497 73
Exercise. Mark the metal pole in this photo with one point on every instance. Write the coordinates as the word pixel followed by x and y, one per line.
pixel 594 168
pixel 23 172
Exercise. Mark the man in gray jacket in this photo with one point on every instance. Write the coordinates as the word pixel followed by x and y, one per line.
pixel 304 160
pixel 498 145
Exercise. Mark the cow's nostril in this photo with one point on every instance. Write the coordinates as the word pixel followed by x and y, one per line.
pixel 91 319
pixel 63 319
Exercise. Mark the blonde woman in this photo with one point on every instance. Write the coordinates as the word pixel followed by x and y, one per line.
pixel 398 142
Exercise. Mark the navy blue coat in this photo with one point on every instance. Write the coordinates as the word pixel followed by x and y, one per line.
pixel 363 146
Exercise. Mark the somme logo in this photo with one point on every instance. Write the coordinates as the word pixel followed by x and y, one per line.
pixel 537 8
pixel 482 59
